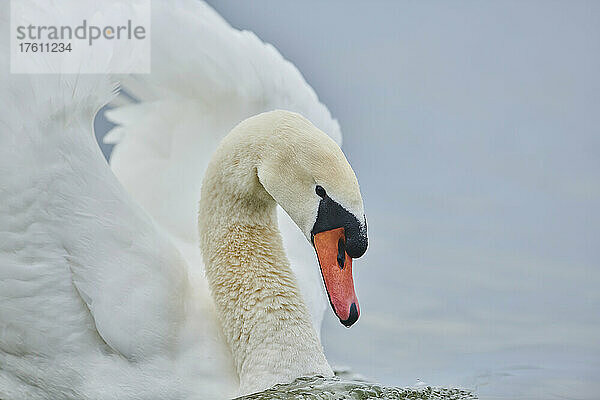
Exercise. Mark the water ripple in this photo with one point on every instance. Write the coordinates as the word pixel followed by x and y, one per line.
pixel 335 388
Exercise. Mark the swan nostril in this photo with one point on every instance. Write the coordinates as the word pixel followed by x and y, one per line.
pixel 341 256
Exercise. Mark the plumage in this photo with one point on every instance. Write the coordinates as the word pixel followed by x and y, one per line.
pixel 102 286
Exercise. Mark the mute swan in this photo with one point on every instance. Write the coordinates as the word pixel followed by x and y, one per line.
pixel 277 157
pixel 98 299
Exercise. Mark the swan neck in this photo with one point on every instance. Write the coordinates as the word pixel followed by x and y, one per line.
pixel 262 314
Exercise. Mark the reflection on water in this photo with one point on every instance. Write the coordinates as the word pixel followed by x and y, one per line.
pixel 336 388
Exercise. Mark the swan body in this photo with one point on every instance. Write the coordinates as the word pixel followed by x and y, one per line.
pixel 101 294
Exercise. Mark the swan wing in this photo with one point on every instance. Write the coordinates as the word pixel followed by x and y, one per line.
pixel 206 77
pixel 81 264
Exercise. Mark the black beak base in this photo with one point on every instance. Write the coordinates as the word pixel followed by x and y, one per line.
pixel 332 215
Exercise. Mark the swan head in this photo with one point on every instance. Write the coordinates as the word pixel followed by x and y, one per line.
pixel 307 174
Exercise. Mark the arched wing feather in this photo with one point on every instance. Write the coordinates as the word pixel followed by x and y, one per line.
pixel 78 257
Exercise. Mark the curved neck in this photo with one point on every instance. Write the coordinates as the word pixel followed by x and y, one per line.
pixel 261 311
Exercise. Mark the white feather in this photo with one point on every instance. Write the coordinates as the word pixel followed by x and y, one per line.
pixel 95 301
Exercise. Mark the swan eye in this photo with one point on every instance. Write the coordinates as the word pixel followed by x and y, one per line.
pixel 320 191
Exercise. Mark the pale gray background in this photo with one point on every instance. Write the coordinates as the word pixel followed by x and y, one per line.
pixel 474 130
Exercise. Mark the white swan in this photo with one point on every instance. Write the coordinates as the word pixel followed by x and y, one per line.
pixel 96 299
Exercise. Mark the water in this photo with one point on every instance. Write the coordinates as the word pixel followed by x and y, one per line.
pixel 338 388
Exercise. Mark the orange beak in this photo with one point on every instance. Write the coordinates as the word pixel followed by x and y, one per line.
pixel 336 269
